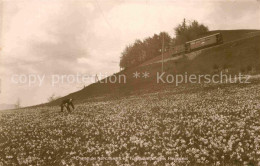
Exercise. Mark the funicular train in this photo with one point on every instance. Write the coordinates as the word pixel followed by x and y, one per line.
pixel 198 44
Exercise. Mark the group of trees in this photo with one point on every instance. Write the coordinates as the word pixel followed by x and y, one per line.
pixel 140 51
pixel 185 32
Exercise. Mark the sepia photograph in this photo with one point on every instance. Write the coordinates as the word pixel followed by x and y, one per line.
pixel 129 82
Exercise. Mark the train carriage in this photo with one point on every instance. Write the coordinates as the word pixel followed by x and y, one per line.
pixel 204 42
pixel 198 44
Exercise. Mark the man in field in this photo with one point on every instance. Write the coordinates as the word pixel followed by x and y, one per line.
pixel 67 103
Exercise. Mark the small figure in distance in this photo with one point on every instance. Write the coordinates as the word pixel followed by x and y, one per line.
pixel 67 103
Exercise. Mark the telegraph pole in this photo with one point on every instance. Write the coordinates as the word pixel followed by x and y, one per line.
pixel 96 78
pixel 162 51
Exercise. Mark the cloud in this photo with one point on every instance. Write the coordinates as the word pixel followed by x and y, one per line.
pixel 47 34
pixel 43 38
pixel 234 15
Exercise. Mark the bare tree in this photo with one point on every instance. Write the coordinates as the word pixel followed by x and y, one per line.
pixel 52 98
pixel 18 103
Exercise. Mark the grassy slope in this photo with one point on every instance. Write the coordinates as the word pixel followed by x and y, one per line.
pixel 196 125
pixel 244 51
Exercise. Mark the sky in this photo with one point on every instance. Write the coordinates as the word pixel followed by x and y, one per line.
pixel 45 44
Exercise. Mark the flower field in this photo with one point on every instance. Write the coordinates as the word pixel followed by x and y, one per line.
pixel 218 126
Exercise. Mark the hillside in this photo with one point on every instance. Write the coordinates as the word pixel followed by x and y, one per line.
pixel 145 125
pixel 239 51
pixel 164 124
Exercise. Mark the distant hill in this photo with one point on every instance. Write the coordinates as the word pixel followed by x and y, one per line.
pixel 7 106
pixel 240 49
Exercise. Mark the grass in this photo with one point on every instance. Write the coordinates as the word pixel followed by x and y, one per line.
pixel 203 125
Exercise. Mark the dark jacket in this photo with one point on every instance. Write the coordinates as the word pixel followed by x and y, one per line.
pixel 67 103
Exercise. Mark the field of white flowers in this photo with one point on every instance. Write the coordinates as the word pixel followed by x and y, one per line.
pixel 218 126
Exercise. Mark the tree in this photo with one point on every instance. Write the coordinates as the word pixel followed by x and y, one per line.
pixel 181 32
pixel 140 51
pixel 53 97
pixel 18 103
pixel 189 32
